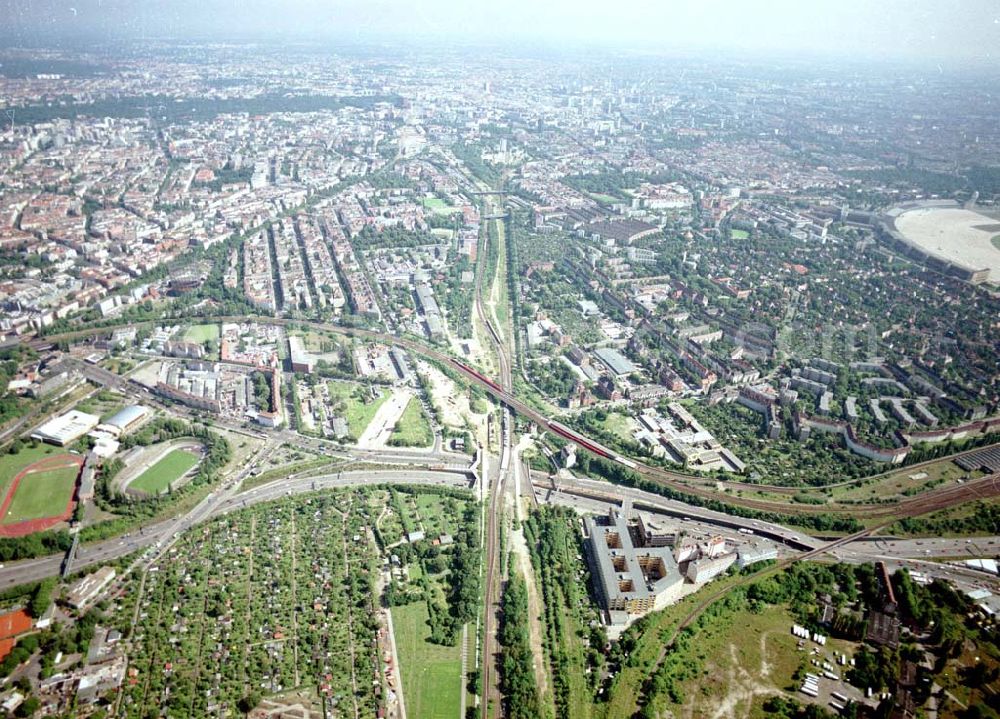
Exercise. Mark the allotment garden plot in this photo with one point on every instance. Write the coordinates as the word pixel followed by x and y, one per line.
pixel 276 600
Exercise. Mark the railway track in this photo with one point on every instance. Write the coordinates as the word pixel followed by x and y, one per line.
pixel 491 691
pixel 681 483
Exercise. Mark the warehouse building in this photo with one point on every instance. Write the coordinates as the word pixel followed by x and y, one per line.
pixel 128 418
pixel 615 361
pixel 300 359
pixel 89 588
pixel 752 553
pixel 708 568
pixel 66 428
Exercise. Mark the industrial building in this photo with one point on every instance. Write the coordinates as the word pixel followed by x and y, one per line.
pixel 629 577
pixel 300 359
pixel 615 361
pixel 128 418
pixel 66 428
pixel 708 568
pixel 89 588
pixel 752 553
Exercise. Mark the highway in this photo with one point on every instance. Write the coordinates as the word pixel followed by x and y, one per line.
pixel 939 498
pixel 915 554
pixel 162 533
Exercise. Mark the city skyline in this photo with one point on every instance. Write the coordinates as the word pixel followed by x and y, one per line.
pixel 955 32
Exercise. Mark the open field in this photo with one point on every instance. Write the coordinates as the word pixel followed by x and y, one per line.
pixel 412 428
pixel 902 482
pixel 432 684
pixel 622 701
pixel 167 470
pixel 739 234
pixel 438 206
pixel 357 412
pixel 11 464
pixel 201 333
pixel 620 425
pixel 753 656
pixel 953 234
pixel 42 493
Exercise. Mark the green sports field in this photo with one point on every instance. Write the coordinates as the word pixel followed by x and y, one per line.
pixel 42 494
pixel 201 333
pixel 11 464
pixel 438 206
pixel 432 682
pixel 168 469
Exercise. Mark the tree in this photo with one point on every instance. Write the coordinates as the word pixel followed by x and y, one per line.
pixel 42 597
pixel 247 703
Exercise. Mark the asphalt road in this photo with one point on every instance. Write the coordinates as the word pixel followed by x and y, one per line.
pixel 215 504
pixel 599 490
pixel 922 555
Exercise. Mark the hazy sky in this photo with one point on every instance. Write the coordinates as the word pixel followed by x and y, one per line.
pixel 917 29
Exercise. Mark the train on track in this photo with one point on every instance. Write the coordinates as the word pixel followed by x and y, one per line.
pixel 560 429
pixel 566 433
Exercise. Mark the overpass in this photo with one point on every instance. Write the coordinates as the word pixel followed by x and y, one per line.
pixel 940 498
pixel 160 535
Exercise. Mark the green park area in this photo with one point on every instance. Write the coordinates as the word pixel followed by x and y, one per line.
pixel 201 333
pixel 438 206
pixel 42 494
pixel 353 402
pixel 604 199
pixel 739 234
pixel 168 469
pixel 432 682
pixel 412 429
pixel 11 464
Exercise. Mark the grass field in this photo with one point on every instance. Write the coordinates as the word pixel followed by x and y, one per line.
pixel 432 682
pixel 897 483
pixel 201 333
pixel 42 494
pixel 168 469
pixel 739 234
pixel 436 518
pixel 11 464
pixel 438 206
pixel 412 429
pixel 357 413
pixel 620 426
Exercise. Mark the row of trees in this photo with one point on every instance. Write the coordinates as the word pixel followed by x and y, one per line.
pixel 517 676
pixel 554 540
pixel 619 474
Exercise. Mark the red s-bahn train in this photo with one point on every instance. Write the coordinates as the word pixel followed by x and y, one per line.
pixel 572 436
pixel 560 429
pixel 478 375
pixel 567 433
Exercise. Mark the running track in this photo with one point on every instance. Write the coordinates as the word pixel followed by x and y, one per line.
pixel 20 529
